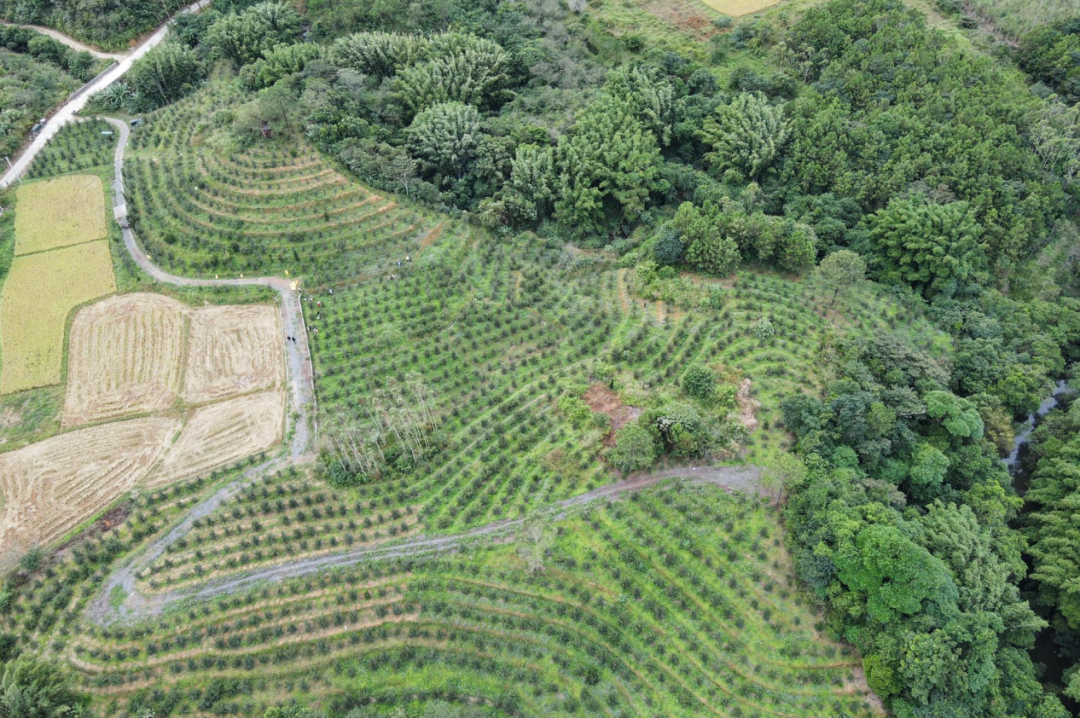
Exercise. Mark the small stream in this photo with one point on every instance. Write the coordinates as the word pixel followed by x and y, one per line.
pixel 1014 461
pixel 1045 651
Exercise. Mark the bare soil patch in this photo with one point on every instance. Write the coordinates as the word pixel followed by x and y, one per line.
pixel 233 350
pixel 124 357
pixel 738 8
pixel 224 432
pixel 683 15
pixel 748 406
pixel 51 486
pixel 601 398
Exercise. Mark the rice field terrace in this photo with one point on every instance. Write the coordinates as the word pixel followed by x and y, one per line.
pixel 203 208
pixel 673 602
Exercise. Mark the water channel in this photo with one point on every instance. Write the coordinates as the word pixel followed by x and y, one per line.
pixel 1045 651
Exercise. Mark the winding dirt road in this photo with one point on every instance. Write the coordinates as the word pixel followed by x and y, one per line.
pixel 69 41
pixel 136 606
pixel 77 101
pixel 301 391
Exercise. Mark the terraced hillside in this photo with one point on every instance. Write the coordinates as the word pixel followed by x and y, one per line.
pixel 675 602
pixel 496 333
pixel 202 207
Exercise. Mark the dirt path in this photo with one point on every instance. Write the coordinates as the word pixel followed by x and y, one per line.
pixel 301 390
pixel 77 101
pixel 138 607
pixel 70 41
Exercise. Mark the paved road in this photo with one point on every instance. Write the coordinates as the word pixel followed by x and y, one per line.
pixel 65 114
pixel 70 41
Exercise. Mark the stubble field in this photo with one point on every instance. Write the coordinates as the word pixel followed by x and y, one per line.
pixel 220 433
pixel 232 350
pixel 51 486
pixel 125 358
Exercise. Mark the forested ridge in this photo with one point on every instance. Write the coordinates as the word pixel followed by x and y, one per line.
pixel 852 149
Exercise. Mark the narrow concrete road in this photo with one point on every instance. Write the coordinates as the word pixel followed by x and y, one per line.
pixel 301 391
pixel 69 41
pixel 64 115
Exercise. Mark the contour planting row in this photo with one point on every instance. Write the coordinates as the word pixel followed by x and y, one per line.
pixel 493 332
pixel 280 517
pixel 489 360
pixel 675 602
pixel 203 203
pixel 77 147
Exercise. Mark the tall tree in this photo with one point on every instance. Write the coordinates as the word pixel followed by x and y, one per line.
pixel 746 136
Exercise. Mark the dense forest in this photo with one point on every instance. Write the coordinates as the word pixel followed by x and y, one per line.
pixel 1053 534
pixel 854 144
pixel 109 24
pixel 38 72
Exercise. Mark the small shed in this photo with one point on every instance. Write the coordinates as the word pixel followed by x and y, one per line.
pixel 266 131
pixel 136 122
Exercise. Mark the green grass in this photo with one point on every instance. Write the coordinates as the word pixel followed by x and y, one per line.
pixel 29 416
pixel 117 596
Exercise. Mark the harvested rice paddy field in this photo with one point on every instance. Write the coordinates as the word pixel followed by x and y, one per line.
pixel 232 350
pixel 134 355
pixel 218 434
pixel 126 357
pixel 51 486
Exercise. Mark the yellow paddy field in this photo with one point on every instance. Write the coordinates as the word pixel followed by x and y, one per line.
pixel 60 213
pixel 39 294
pixel 738 8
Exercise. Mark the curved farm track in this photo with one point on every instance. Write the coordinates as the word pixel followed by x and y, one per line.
pixel 136 606
pixel 301 390
pixel 70 41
